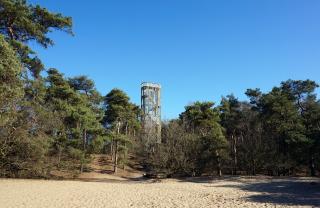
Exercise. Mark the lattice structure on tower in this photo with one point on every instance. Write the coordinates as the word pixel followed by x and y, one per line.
pixel 151 111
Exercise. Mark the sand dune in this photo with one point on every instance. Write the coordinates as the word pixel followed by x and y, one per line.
pixel 233 192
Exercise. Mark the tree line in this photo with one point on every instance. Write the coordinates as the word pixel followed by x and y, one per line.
pixel 47 121
pixel 51 122
pixel 275 133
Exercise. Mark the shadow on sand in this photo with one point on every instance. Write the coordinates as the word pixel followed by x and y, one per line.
pixel 119 180
pixel 286 192
pixel 290 192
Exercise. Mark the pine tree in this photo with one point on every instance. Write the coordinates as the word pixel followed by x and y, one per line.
pixel 21 23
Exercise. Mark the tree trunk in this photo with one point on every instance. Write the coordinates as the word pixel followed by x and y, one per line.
pixel 126 129
pixel 59 155
pixel 84 139
pixel 254 167
pixel 111 149
pixel 124 165
pixel 115 162
pixel 81 168
pixel 219 172
pixel 235 158
pixel 312 167
pixel 118 127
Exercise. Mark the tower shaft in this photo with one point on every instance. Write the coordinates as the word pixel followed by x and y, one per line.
pixel 151 111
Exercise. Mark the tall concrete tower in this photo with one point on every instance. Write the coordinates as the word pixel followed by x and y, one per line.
pixel 151 111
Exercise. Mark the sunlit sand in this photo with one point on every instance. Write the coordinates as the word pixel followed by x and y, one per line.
pixel 230 192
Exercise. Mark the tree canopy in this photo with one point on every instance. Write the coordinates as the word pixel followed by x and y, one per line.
pixel 21 23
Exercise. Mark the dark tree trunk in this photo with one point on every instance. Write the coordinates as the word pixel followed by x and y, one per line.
pixel 235 158
pixel 111 149
pixel 84 139
pixel 219 172
pixel 312 167
pixel 115 162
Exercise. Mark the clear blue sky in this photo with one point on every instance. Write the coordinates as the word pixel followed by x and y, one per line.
pixel 197 49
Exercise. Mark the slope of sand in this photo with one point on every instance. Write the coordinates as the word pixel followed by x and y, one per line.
pixel 101 167
pixel 229 192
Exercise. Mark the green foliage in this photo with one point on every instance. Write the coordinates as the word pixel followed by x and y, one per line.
pixel 82 83
pixel 121 121
pixel 192 145
pixel 201 118
pixel 10 84
pixel 41 118
pixel 78 113
pixel 98 145
pixel 117 103
pixel 285 132
pixel 21 23
pixel 277 133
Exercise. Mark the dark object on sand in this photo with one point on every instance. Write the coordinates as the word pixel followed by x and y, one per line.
pixel 155 175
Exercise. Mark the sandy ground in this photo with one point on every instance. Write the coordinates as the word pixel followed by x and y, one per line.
pixel 229 192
